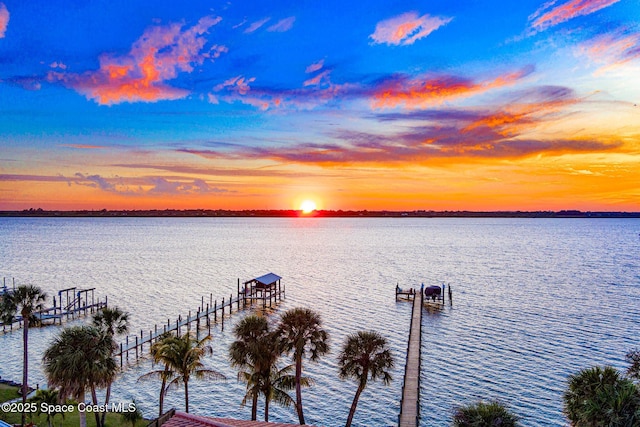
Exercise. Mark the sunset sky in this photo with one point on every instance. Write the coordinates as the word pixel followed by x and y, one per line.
pixel 399 105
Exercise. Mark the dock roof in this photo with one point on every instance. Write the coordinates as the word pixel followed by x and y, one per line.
pixel 268 279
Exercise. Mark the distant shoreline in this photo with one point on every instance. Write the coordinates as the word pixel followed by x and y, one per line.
pixel 222 213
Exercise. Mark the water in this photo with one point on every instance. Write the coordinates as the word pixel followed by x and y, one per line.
pixel 534 300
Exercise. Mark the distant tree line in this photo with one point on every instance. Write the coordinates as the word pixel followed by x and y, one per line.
pixel 39 212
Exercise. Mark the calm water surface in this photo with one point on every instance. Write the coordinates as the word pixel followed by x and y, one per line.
pixel 534 300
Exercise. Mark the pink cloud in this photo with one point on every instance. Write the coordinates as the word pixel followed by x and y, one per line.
pixel 426 91
pixel 322 77
pixel 256 25
pixel 315 66
pixel 613 49
pixel 282 25
pixel 156 57
pixel 405 29
pixel 236 84
pixel 4 19
pixel 541 19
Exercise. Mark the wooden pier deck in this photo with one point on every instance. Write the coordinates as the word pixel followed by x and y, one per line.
pixel 409 405
pixel 254 291
pixel 77 303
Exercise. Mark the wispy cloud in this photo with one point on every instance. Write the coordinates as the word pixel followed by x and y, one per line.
pixel 312 68
pixel 613 49
pixel 282 25
pixel 318 79
pixel 155 58
pixel 398 90
pixel 139 186
pixel 405 29
pixel 4 19
pixel 506 132
pixel 256 25
pixel 550 15
pixel 420 92
pixel 82 146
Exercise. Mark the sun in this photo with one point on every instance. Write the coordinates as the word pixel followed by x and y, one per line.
pixel 308 206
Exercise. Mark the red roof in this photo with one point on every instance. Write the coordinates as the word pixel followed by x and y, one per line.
pixel 181 419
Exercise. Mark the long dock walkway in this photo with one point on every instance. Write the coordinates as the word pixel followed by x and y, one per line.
pixel 409 405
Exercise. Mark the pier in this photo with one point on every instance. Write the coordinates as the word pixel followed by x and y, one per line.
pixel 410 404
pixel 71 303
pixel 265 290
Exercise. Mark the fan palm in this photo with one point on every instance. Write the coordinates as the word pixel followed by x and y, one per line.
pixel 27 300
pixel 184 356
pixel 112 322
pixel 80 358
pixel 600 396
pixel 483 414
pixel 161 352
pixel 301 332
pixel 364 355
pixel 247 352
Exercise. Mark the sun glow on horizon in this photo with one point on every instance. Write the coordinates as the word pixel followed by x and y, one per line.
pixel 308 206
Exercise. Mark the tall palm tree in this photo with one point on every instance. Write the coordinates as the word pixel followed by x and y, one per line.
pixel 247 352
pixel 600 396
pixel 482 414
pixel 26 300
pixel 364 355
pixel 301 332
pixel 184 355
pixel 258 350
pixel 161 353
pixel 112 322
pixel 80 358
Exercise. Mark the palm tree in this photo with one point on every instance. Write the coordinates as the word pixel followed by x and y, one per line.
pixel 259 353
pixel 600 396
pixel 633 357
pixel 161 352
pixel 301 332
pixel 112 322
pixel 48 397
pixel 184 356
pixel 364 355
pixel 80 358
pixel 26 300
pixel 247 352
pixel 276 384
pixel 481 414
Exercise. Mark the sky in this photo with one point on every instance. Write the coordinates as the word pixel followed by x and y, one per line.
pixel 378 105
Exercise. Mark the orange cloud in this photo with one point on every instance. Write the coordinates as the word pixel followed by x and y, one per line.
pixel 427 91
pixel 564 12
pixel 156 57
pixel 4 19
pixel 405 29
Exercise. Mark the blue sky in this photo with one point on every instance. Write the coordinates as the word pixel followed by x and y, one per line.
pixel 399 105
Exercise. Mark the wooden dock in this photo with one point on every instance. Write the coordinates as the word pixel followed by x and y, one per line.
pixel 70 304
pixel 265 290
pixel 410 403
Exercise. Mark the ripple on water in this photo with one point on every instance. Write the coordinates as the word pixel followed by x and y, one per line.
pixel 534 300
